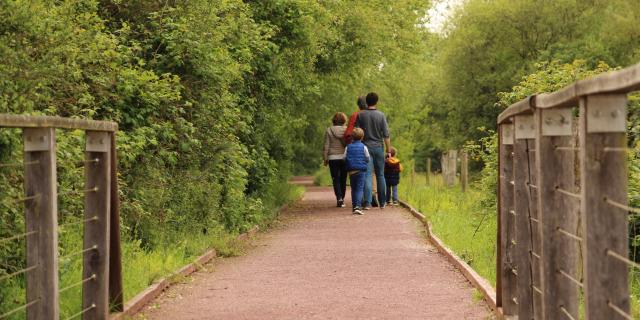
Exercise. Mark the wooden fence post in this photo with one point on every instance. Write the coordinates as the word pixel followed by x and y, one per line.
pixel 95 292
pixel 428 170
pixel 506 281
pixel 41 203
pixel 449 166
pixel 525 210
pixel 116 290
pixel 464 171
pixel 603 208
pixel 555 158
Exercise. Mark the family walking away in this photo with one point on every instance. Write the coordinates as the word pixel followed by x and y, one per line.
pixel 360 149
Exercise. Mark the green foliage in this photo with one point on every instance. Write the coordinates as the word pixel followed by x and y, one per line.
pixel 218 102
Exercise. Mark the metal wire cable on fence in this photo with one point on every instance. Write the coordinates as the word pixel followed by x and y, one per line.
pixel 619 311
pixel 568 193
pixel 621 206
pixel 17 273
pixel 568 234
pixel 94 247
pixel 19 236
pixel 19 164
pixel 559 148
pixel 566 313
pixel 537 256
pixel 92 306
pixel 18 309
pixel 92 277
pixel 94 189
pixel 568 276
pixel 623 259
pixel 63 226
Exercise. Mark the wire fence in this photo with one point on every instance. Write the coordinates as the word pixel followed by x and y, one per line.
pixel 567 249
pixel 48 259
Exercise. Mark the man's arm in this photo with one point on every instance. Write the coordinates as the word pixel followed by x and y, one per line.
pixel 385 134
pixel 387 144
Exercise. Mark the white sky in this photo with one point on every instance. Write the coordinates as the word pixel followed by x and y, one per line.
pixel 440 12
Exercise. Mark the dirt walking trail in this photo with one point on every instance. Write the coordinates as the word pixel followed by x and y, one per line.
pixel 325 263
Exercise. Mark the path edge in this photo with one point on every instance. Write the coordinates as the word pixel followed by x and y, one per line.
pixel 480 283
pixel 139 301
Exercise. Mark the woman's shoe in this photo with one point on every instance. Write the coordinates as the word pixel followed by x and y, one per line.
pixel 341 204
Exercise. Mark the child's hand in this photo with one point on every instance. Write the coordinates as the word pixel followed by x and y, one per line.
pixel 326 163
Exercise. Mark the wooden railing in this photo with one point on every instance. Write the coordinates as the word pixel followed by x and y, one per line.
pixel 563 207
pixel 101 275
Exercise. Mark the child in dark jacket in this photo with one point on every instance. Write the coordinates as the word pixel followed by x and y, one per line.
pixel 392 169
pixel 356 157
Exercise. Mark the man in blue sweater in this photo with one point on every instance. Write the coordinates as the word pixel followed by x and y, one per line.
pixel 376 138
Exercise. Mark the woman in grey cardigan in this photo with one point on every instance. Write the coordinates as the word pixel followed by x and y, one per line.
pixel 333 154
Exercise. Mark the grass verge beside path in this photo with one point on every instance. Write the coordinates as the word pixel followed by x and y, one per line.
pixel 458 219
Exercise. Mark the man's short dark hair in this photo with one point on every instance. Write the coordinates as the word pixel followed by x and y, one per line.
pixel 372 99
pixel 362 103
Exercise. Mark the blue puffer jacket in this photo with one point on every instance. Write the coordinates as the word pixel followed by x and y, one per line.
pixel 356 158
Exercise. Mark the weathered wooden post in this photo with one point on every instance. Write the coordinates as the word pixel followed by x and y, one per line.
pixel 116 290
pixel 41 203
pixel 95 291
pixel 506 270
pixel 558 204
pixel 449 166
pixel 604 205
pixel 464 171
pixel 428 170
pixel 525 210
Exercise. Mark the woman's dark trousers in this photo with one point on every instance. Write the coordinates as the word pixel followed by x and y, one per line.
pixel 338 170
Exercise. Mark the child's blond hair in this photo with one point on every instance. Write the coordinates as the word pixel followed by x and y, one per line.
pixel 357 134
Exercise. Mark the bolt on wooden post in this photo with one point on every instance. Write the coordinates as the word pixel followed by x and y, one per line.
pixel 41 204
pixel 95 292
pixel 524 211
pixel 603 206
pixel 506 270
pixel 558 211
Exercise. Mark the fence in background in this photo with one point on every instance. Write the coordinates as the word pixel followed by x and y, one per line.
pixel 101 277
pixel 563 205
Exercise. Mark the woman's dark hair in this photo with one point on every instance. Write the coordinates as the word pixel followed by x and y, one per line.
pixel 362 102
pixel 339 119
pixel 372 99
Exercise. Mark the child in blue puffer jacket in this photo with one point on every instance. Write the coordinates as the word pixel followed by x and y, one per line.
pixel 356 156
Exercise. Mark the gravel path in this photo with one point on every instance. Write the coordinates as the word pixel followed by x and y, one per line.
pixel 325 263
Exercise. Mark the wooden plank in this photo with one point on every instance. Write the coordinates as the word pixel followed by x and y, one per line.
pixel 506 279
pixel 523 242
pixel 565 97
pixel 524 106
pixel 555 168
pixel 42 216
pixel 464 171
pixel 116 290
pixel 28 121
pixel 619 81
pixel 95 293
pixel 604 177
